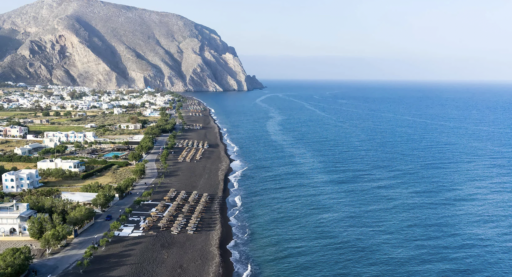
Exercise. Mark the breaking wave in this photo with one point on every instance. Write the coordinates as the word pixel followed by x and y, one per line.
pixel 239 227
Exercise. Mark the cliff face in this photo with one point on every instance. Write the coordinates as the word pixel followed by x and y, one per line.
pixel 103 45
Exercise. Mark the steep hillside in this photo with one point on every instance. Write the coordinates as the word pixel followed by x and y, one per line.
pixel 103 45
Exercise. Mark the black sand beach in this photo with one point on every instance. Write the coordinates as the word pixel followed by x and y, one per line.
pixel 160 253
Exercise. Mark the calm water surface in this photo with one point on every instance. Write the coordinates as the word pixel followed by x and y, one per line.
pixel 369 179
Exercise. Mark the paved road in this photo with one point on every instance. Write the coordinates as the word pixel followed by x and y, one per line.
pixel 58 263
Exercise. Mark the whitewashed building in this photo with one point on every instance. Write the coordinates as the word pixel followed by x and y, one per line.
pixel 73 165
pixel 17 181
pixel 130 126
pixel 29 149
pixel 71 136
pixel 14 218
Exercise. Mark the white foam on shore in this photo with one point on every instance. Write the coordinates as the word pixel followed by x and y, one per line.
pixel 240 229
pixel 248 272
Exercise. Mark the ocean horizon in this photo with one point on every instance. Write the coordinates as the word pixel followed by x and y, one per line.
pixel 335 178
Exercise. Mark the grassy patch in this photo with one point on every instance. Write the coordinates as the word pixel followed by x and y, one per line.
pixel 10 144
pixel 13 113
pixel 54 128
pixel 113 176
pixel 9 165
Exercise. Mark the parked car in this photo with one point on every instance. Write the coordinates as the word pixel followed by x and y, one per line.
pixel 108 218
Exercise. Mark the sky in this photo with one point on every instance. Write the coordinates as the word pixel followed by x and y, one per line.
pixel 356 40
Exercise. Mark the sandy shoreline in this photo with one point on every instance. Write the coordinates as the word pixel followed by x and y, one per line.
pixel 159 253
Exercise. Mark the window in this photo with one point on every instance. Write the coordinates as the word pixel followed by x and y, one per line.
pixel 21 179
pixel 70 167
pixel 28 178
pixel 12 180
pixel 21 185
pixel 12 187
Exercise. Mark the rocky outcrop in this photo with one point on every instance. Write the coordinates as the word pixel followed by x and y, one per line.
pixel 103 45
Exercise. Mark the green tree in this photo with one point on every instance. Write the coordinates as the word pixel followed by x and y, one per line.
pixel 103 242
pixel 79 216
pixel 115 157
pixel 56 113
pixel 138 201
pixel 139 170
pixel 54 237
pixel 45 113
pixel 67 114
pixel 104 197
pixel 83 265
pixel 39 225
pixel 15 261
pixel 134 156
pixel 115 225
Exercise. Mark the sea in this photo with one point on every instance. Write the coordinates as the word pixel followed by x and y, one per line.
pixel 369 178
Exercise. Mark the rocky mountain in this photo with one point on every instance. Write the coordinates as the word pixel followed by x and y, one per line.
pixel 104 45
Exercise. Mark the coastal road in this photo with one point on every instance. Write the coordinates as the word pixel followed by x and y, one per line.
pixel 54 265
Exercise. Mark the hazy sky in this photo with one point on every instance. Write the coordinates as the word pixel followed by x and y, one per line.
pixel 362 39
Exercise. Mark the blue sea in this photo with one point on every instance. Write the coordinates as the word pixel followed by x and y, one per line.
pixel 369 179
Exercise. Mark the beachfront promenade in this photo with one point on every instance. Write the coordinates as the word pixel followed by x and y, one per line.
pixel 73 252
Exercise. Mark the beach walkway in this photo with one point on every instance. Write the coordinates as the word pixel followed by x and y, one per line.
pixel 73 252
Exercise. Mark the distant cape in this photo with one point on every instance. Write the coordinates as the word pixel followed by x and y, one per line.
pixel 102 45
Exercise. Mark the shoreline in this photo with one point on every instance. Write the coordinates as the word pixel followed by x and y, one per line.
pixel 227 268
pixel 226 235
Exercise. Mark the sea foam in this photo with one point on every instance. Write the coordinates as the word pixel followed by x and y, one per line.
pixel 239 227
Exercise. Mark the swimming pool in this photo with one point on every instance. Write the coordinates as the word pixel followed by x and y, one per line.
pixel 111 154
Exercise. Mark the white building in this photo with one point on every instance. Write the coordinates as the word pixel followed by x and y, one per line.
pixel 118 111
pixel 130 126
pixel 80 197
pixel 51 142
pixel 14 218
pixel 71 136
pixel 29 149
pixel 17 181
pixel 73 165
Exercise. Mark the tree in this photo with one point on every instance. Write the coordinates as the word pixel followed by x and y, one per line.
pixel 115 157
pixel 123 219
pixel 110 235
pixel 67 114
pixel 54 237
pixel 14 168
pixel 83 265
pixel 134 119
pixel 39 225
pixel 79 216
pixel 138 201
pixel 115 225
pixel 45 113
pixel 134 156
pixel 104 197
pixel 78 145
pixel 139 170
pixel 128 211
pixel 15 261
pixel 56 113
pixel 87 255
pixel 103 242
